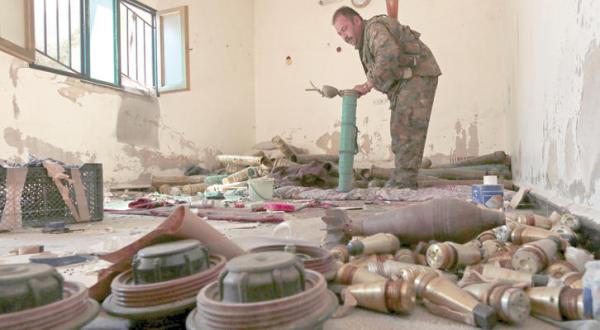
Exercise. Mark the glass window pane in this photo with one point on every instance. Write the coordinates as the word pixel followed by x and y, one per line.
pixel 75 35
pixel 51 29
pixel 39 25
pixel 102 41
pixel 174 52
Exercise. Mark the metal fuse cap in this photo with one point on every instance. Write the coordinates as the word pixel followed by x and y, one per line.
pixel 25 286
pixel 260 277
pixel 168 261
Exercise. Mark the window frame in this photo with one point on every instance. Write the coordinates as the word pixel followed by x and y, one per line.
pixel 26 53
pixel 183 10
pixel 85 74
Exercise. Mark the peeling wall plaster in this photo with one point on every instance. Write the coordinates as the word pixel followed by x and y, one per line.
pixel 138 121
pixel 556 105
pixel 134 136
pixel 16 109
pixel 28 145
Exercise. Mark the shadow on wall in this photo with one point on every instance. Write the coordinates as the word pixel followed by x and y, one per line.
pixel 138 121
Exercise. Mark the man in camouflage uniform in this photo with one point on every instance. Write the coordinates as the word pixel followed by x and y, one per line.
pixel 400 65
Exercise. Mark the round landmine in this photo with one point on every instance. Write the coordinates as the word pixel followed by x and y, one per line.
pixel 158 300
pixel 261 276
pixel 168 261
pixel 26 286
pixel 72 311
pixel 307 309
pixel 315 258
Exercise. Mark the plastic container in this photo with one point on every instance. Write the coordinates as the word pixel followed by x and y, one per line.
pixel 260 189
pixel 591 290
pixel 490 195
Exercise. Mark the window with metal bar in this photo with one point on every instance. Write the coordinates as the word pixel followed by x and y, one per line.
pixel 106 41
pixel 138 28
pixel 58 27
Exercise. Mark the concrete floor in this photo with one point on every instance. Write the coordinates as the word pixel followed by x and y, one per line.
pixel 117 230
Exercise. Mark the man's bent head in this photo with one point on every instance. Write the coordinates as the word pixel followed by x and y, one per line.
pixel 348 24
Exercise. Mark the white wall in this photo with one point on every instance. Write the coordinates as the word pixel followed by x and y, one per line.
pixel 134 136
pixel 553 125
pixel 466 36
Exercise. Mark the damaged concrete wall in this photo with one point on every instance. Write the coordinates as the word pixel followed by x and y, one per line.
pixel 553 124
pixel 466 37
pixel 49 115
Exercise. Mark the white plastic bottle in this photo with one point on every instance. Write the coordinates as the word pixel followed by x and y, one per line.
pixel 591 289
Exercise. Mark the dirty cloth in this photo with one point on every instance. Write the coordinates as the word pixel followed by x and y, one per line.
pixel 315 174
pixel 421 195
pixel 147 203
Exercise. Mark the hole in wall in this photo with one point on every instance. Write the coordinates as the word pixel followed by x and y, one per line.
pixel 339 49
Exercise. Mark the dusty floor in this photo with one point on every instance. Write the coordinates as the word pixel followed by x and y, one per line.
pixel 117 230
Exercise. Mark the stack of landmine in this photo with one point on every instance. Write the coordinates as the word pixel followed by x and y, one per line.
pixel 509 266
pixel 289 167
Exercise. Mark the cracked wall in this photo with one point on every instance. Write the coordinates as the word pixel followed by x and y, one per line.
pixel 135 135
pixel 556 105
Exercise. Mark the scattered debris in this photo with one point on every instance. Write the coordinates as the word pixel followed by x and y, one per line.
pixel 57 261
pixel 30 249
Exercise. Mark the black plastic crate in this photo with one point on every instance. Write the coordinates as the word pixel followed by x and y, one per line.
pixel 41 201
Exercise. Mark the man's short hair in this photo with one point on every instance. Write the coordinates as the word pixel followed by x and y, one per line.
pixel 346 12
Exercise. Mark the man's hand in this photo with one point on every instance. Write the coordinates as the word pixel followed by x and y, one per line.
pixel 363 89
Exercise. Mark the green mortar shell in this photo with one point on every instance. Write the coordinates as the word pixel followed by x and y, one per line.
pixel 348 144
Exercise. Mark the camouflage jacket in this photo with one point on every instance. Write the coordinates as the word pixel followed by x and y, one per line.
pixel 391 53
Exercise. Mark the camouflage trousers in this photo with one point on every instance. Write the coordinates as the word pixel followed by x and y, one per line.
pixel 411 110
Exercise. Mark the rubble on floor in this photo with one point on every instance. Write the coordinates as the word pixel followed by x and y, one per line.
pixel 440 247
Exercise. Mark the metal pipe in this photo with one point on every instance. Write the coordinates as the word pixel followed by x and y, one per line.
pixel 241 160
pixel 497 157
pixel 348 136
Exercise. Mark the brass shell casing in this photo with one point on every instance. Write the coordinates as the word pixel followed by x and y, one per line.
pixel 486 235
pixel 494 273
pixel 571 304
pixel 573 280
pixel 440 291
pixel 349 274
pixel 559 268
pixel 405 255
pixel 534 220
pixel 394 268
pixel 397 296
pixel 523 234
pixel 340 252
pixel 545 301
pixel 375 244
pixel 511 304
pixel 449 255
pixel 491 248
pixel 536 256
